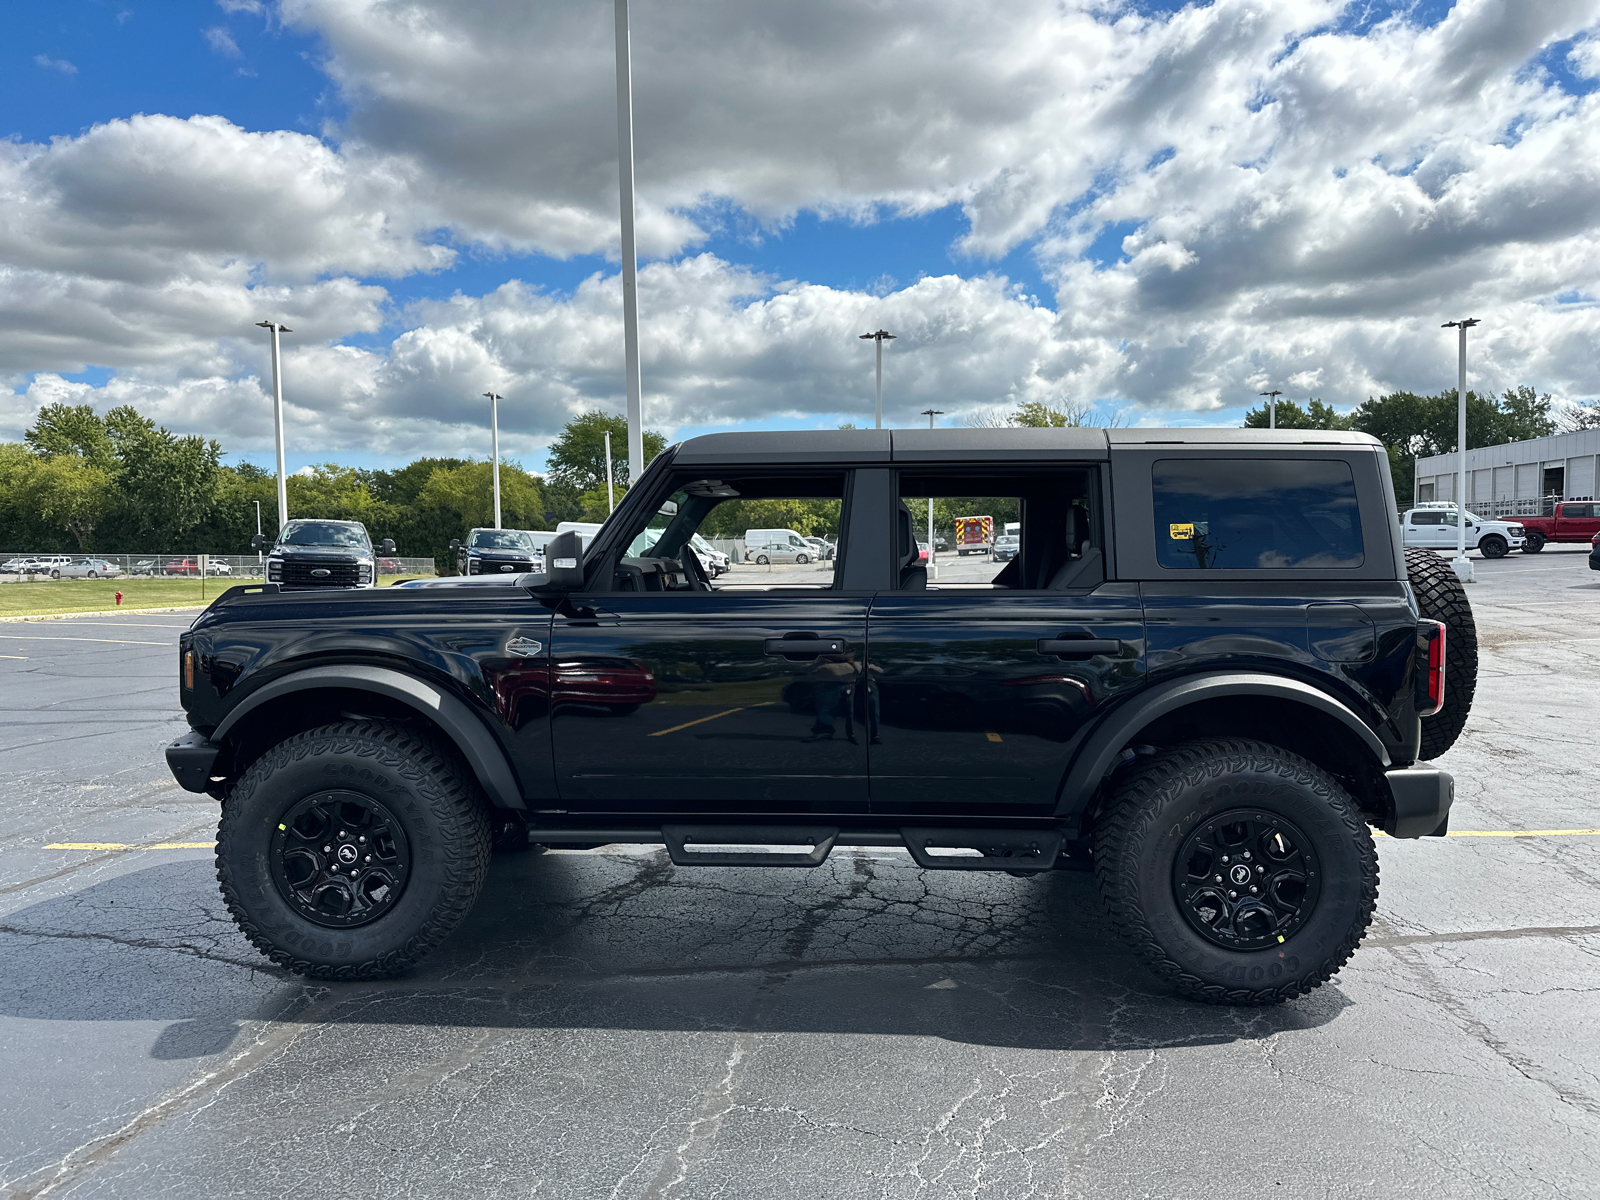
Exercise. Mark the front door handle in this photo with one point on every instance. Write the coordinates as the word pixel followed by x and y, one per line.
pixel 803 647
pixel 1079 647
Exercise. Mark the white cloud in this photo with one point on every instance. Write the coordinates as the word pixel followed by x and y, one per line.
pixel 221 42
pixel 1300 206
pixel 54 64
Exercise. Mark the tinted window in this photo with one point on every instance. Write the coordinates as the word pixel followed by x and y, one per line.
pixel 1577 510
pixel 1427 518
pixel 1256 514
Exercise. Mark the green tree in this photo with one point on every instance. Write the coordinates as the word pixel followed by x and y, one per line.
pixel 1316 415
pixel 577 458
pixel 76 430
pixel 65 491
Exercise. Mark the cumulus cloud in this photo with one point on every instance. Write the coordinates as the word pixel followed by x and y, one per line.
pixel 1246 194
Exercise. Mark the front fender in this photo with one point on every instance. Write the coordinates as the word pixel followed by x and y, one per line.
pixel 458 722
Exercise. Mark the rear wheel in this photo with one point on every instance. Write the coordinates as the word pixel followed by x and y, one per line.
pixel 762 560
pixel 350 851
pixel 1238 872
pixel 1533 544
pixel 1440 597
pixel 55 574
pixel 1494 546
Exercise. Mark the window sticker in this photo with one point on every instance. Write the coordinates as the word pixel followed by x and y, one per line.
pixel 1181 533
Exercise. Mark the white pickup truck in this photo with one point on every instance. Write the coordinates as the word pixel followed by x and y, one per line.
pixel 1434 526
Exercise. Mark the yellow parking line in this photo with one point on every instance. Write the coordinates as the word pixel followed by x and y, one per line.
pixel 991 735
pixel 131 846
pixel 712 717
pixel 1512 833
pixel 17 637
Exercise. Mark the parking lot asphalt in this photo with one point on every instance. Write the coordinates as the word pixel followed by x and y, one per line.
pixel 607 1025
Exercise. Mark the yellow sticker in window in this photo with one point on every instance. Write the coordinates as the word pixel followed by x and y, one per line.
pixel 1181 533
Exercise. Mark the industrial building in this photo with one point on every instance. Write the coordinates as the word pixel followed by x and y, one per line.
pixel 1517 479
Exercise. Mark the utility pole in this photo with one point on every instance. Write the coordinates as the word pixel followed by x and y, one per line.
pixel 880 336
pixel 494 442
pixel 630 265
pixel 278 327
pixel 1461 564
pixel 933 552
pixel 1272 407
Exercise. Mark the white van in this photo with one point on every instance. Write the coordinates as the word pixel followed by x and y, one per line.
pixel 584 529
pixel 763 546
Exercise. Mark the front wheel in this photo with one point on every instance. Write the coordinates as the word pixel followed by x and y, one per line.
pixel 350 851
pixel 1533 545
pixel 1238 872
pixel 55 574
pixel 802 559
pixel 94 575
pixel 1494 546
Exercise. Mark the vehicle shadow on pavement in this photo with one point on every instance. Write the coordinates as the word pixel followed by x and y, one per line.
pixel 864 945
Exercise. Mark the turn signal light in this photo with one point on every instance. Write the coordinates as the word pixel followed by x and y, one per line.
pixel 1431 697
pixel 188 670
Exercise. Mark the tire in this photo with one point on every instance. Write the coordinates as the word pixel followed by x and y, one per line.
pixel 93 575
pixel 1441 597
pixel 762 560
pixel 802 559
pixel 425 800
pixel 1533 544
pixel 1254 954
pixel 1494 546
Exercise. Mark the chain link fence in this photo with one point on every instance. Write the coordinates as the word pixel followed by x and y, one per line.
pixel 22 566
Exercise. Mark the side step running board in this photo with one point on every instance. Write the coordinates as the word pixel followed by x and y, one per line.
pixel 999 849
pixel 679 837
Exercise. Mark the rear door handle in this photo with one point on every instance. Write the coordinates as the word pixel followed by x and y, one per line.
pixel 1079 647
pixel 803 647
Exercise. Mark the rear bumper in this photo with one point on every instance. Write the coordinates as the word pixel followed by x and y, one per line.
pixel 190 759
pixel 1422 797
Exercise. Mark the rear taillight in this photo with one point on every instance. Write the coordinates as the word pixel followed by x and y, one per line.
pixel 1430 681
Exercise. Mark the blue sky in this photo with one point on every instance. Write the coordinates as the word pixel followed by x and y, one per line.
pixel 1157 209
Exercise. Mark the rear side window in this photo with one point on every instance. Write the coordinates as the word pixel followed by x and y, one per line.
pixel 1427 518
pixel 1256 514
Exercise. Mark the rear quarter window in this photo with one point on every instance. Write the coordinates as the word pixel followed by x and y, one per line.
pixel 1256 514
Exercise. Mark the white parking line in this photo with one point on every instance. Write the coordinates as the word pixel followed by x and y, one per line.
pixel 17 637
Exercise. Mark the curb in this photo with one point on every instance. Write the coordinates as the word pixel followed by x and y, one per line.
pixel 101 612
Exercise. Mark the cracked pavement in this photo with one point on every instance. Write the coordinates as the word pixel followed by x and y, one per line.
pixel 607 1025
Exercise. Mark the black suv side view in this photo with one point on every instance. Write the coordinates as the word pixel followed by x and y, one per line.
pixel 1209 672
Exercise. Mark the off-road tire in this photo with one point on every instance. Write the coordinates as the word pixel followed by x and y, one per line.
pixel 1494 546
pixel 1533 543
pixel 441 809
pixel 1154 811
pixel 1441 597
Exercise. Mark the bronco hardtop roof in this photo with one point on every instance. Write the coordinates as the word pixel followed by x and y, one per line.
pixel 913 445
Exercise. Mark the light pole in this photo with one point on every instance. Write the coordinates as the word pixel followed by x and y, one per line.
pixel 1272 407
pixel 630 266
pixel 880 336
pixel 494 442
pixel 611 495
pixel 1461 564
pixel 933 553
pixel 257 503
pixel 278 327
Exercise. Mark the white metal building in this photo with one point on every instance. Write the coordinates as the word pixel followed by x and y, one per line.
pixel 1517 478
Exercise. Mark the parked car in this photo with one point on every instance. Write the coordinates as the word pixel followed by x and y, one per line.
pixel 41 564
pixel 146 566
pixel 1594 553
pixel 922 551
pixel 191 566
pixel 823 547
pixel 1162 691
pixel 14 566
pixel 764 546
pixel 90 568
pixel 495 552
pixel 1005 547
pixel 1570 521
pixel 389 566
pixel 321 554
pixel 1434 526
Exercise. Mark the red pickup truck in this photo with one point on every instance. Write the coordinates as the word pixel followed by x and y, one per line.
pixel 1572 521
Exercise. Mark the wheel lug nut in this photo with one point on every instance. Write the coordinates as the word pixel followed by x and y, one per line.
pixel 1224 858
pixel 1247 854
pixel 367 859
pixel 1261 870
pixel 1233 895
pixel 1253 891
pixel 363 838
pixel 1217 878
pixel 327 849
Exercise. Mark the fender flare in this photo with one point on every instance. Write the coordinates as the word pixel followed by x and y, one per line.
pixel 459 723
pixel 1100 752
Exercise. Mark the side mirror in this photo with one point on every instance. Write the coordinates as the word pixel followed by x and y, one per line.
pixel 455 543
pixel 563 562
pixel 387 546
pixel 260 542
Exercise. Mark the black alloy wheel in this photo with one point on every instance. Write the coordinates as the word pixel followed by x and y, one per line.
pixel 1494 546
pixel 1246 879
pixel 1533 544
pixel 340 859
pixel 1237 871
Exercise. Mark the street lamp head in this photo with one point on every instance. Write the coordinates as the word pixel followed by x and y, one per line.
pixel 1467 324
pixel 879 335
pixel 278 325
pixel 493 396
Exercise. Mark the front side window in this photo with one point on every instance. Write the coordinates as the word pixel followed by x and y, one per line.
pixel 1256 514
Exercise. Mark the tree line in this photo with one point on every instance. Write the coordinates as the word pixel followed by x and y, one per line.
pixel 80 483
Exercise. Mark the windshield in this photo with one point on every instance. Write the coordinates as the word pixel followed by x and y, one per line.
pixel 323 533
pixel 1006 541
pixel 500 539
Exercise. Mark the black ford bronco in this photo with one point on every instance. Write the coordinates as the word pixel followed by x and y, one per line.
pixel 1210 669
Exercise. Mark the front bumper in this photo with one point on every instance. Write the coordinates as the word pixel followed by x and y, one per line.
pixel 191 758
pixel 1422 797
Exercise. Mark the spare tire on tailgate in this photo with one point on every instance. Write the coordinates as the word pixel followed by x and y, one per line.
pixel 1440 597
